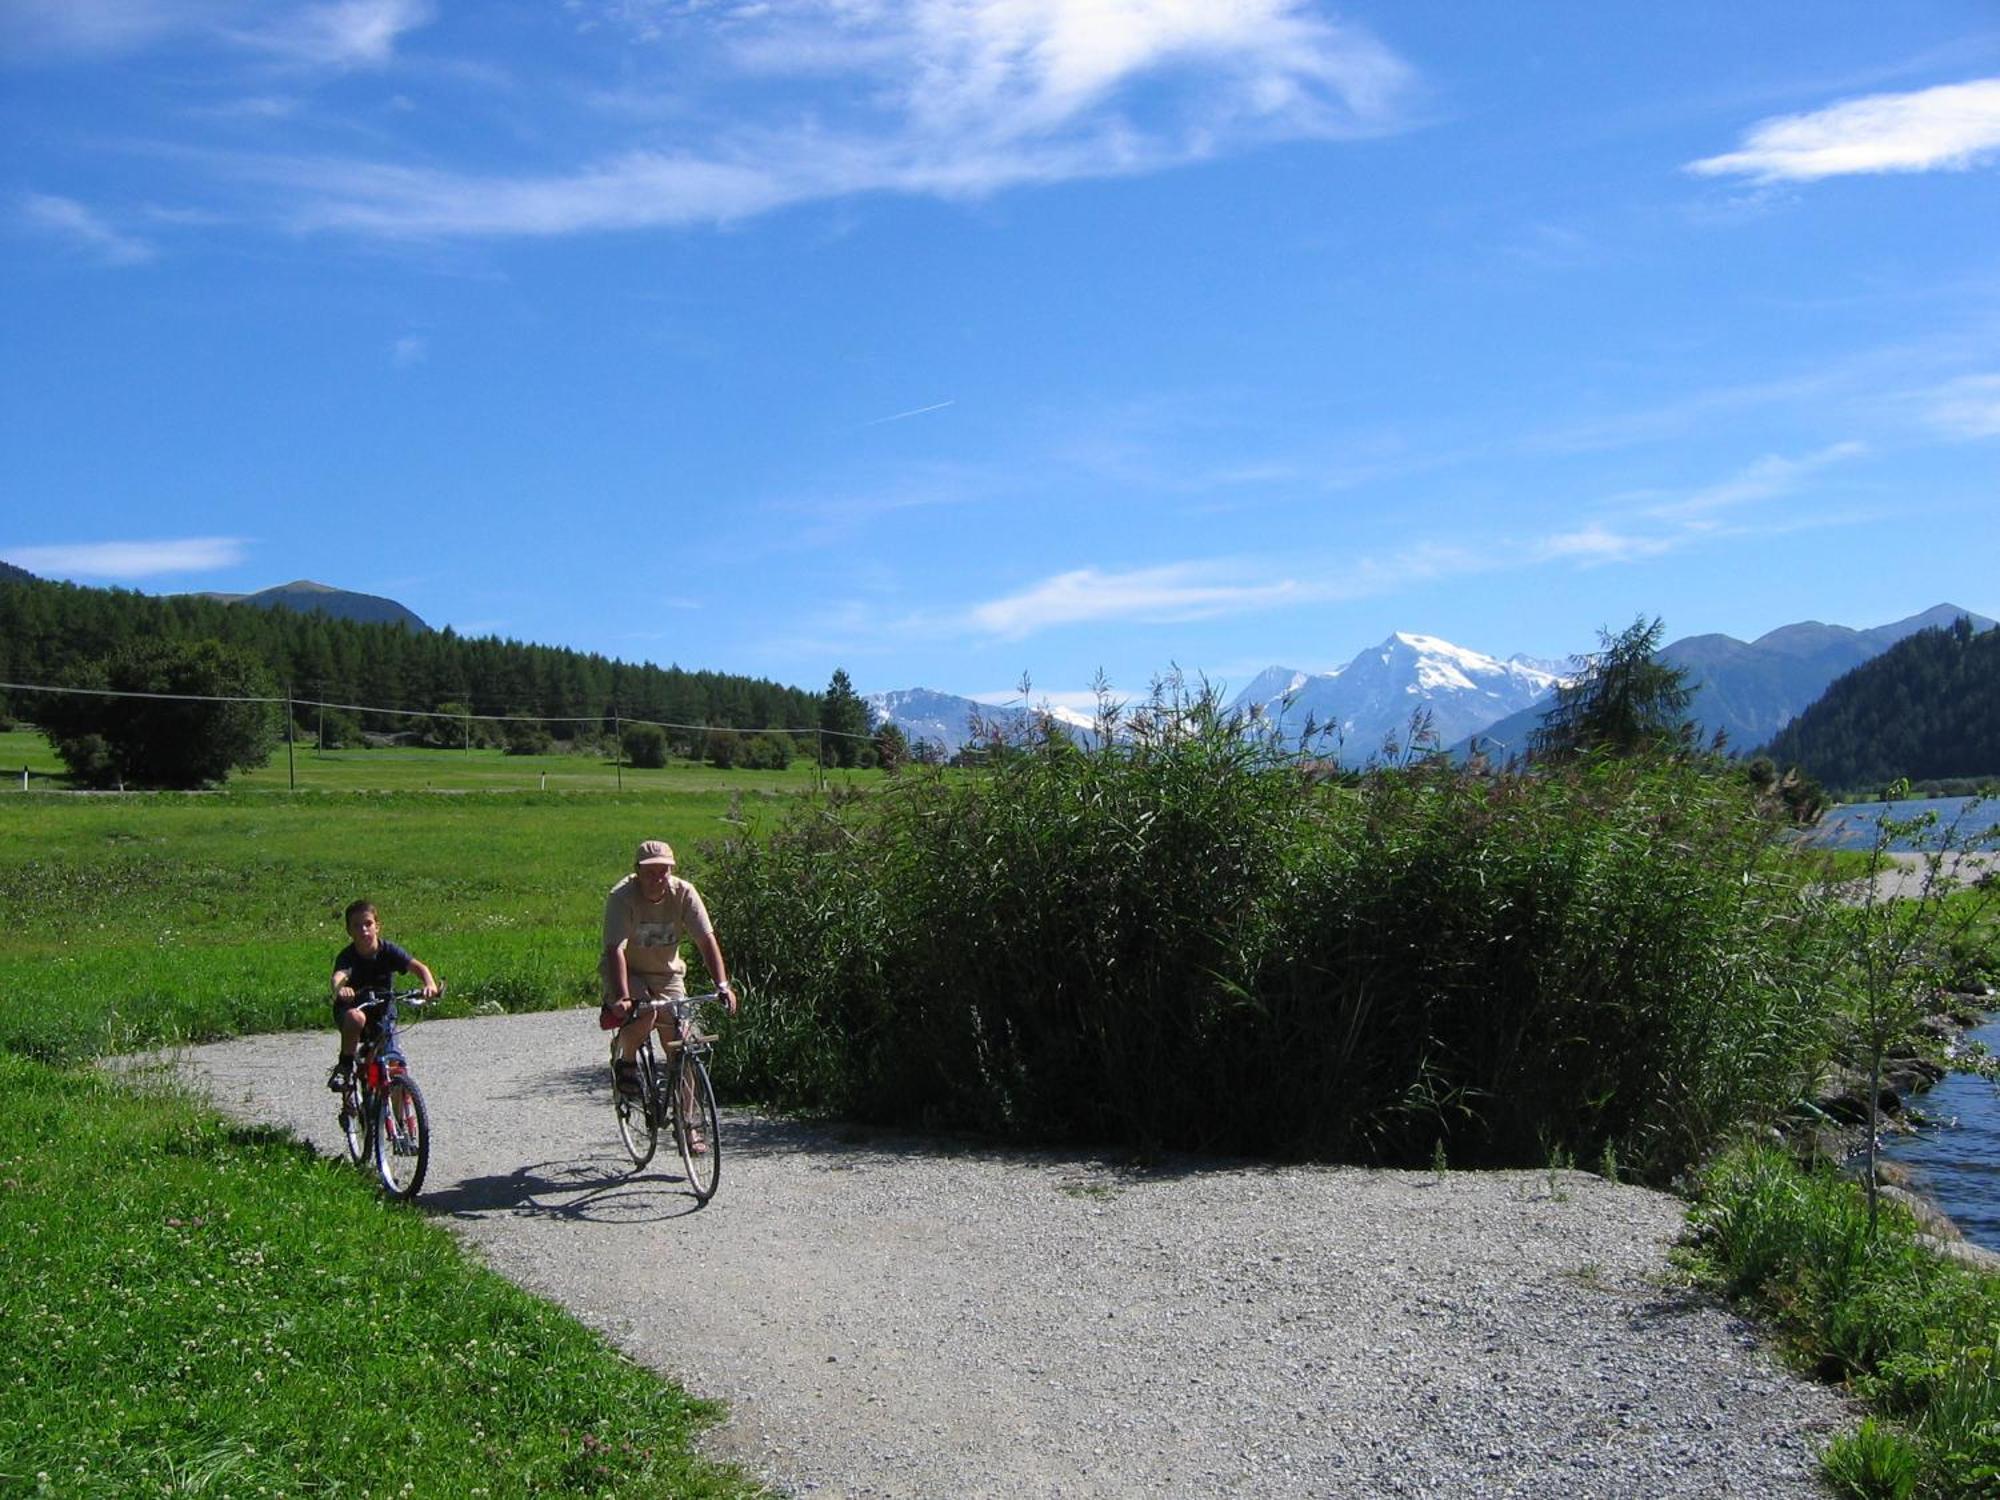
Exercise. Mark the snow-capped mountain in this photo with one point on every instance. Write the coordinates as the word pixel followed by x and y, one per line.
pixel 946 720
pixel 1372 698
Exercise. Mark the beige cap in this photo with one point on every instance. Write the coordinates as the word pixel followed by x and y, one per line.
pixel 655 852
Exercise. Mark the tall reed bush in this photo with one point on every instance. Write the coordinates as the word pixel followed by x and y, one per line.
pixel 1188 939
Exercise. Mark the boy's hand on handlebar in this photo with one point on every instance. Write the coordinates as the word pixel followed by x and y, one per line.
pixel 433 990
pixel 728 993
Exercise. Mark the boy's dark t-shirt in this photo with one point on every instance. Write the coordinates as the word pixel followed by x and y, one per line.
pixel 372 975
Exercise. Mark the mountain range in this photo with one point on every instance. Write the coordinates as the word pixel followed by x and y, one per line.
pixel 1748 691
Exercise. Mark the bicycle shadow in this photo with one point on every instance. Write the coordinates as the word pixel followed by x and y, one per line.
pixel 591 1190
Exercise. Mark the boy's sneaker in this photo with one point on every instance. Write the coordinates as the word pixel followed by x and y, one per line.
pixel 341 1076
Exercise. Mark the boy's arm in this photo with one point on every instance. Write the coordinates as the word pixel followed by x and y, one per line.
pixel 424 976
pixel 340 989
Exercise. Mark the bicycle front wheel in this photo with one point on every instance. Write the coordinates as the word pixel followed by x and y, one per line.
pixel 639 1116
pixel 402 1137
pixel 696 1127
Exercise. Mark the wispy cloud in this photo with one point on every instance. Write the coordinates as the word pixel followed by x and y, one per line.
pixel 72 221
pixel 943 98
pixel 1968 407
pixel 1176 592
pixel 411 349
pixel 1658 525
pixel 338 33
pixel 1951 127
pixel 1596 542
pixel 127 560
pixel 1766 478
pixel 324 33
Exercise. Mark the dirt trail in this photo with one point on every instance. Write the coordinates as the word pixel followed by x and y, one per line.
pixel 894 1316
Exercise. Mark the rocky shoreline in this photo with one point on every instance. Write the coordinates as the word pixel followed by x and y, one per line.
pixel 1839 1133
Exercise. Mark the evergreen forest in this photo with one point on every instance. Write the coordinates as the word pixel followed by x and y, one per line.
pixel 1927 709
pixel 49 632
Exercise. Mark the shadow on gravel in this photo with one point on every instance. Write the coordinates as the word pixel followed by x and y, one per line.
pixel 600 1190
pixel 842 1146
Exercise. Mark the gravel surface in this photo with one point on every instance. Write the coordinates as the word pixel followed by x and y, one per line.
pixel 888 1315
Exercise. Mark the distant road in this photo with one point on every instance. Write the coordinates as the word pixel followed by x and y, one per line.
pixel 894 1316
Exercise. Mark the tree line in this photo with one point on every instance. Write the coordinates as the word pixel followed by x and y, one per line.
pixel 50 632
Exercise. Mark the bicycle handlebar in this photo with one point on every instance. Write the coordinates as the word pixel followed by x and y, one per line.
pixel 401 997
pixel 682 1007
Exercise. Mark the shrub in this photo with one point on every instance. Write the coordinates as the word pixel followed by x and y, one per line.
pixel 645 746
pixel 182 723
pixel 528 737
pixel 1184 941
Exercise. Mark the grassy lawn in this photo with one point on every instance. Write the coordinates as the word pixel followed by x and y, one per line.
pixel 198 1309
pixel 195 1308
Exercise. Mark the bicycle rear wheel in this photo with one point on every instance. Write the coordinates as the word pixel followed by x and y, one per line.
pixel 696 1126
pixel 402 1137
pixel 354 1122
pixel 639 1117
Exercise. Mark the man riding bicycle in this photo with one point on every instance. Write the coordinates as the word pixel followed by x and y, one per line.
pixel 645 917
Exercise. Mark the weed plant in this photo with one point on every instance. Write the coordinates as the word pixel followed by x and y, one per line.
pixel 197 1309
pixel 1188 939
pixel 1910 1332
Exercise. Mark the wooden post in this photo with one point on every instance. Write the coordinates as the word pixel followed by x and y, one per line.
pixel 291 759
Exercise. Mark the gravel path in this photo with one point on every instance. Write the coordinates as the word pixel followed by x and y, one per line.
pixel 893 1316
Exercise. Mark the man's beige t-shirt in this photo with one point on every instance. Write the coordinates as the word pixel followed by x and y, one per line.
pixel 652 933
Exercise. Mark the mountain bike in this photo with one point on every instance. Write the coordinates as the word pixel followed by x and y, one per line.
pixel 674 1091
pixel 382 1112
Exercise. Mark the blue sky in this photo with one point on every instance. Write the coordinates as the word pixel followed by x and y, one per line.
pixel 956 341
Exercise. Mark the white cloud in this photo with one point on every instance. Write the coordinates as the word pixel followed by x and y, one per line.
pixel 411 349
pixel 339 33
pixel 79 225
pixel 1176 592
pixel 127 560
pixel 945 98
pixel 1969 407
pixel 1952 127
pixel 1597 543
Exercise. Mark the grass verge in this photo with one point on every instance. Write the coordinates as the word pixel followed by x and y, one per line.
pixel 1910 1333
pixel 196 1308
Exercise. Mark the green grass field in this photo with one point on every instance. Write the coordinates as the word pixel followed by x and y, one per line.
pixel 146 918
pixel 194 1308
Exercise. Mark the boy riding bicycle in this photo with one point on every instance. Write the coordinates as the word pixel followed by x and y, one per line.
pixel 645 917
pixel 367 966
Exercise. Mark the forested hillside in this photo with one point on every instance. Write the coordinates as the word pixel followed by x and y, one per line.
pixel 47 629
pixel 1927 709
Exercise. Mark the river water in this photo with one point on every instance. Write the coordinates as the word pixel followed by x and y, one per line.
pixel 1956 1159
